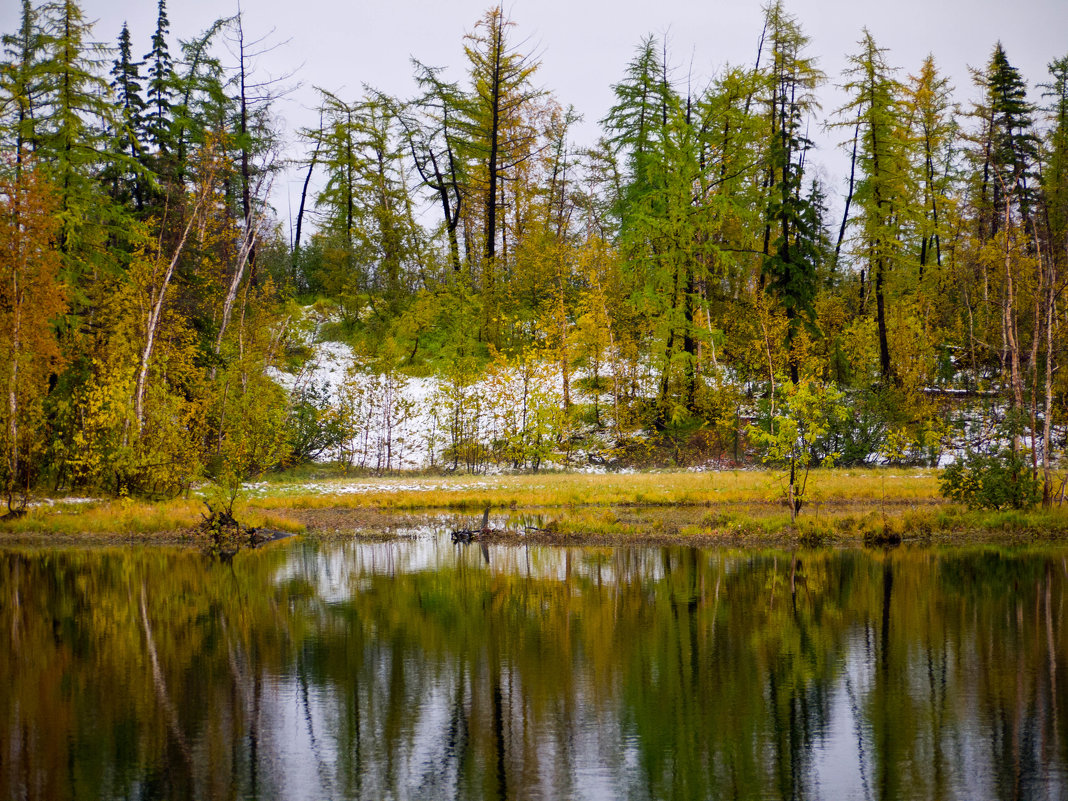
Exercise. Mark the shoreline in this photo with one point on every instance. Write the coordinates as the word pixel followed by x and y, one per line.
pixel 762 525
pixel 734 508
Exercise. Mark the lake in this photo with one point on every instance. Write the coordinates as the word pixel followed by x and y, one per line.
pixel 418 669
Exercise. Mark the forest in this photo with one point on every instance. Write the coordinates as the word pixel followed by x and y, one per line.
pixel 683 291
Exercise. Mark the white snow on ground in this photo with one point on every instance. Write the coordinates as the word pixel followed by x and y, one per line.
pixel 400 423
pixel 342 487
pixel 62 501
pixel 403 423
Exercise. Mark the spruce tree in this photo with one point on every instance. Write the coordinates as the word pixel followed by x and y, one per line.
pixel 126 183
pixel 1009 143
pixel 157 120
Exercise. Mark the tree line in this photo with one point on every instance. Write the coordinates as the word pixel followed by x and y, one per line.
pixel 684 276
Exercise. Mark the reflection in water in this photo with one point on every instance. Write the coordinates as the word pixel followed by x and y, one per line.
pixel 418 669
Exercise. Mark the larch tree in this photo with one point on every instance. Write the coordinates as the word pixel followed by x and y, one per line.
pixel 431 128
pixel 495 138
pixel 791 223
pixel 31 297
pixel 874 107
pixel 928 104
pixel 1053 255
pixel 72 147
pixel 22 85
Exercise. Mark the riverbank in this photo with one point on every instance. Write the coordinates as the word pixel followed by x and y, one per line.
pixel 735 508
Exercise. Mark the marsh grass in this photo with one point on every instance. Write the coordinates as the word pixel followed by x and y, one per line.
pixel 855 524
pixel 465 493
pixel 126 518
pixel 847 506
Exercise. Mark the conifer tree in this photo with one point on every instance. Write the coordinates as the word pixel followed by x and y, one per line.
pixel 501 89
pixel 72 145
pixel 1006 146
pixel 792 225
pixel 22 85
pixel 881 195
pixel 31 296
pixel 433 137
pixel 636 123
pixel 928 103
pixel 160 87
pixel 124 176
pixel 1055 175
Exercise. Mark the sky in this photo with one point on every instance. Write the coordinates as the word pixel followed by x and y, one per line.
pixel 584 46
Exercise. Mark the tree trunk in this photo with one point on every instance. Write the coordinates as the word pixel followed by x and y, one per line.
pixel 156 312
pixel 303 201
pixel 885 367
pixel 849 195
pixel 12 389
pixel 247 243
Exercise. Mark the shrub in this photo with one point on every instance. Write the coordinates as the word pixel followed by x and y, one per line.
pixel 999 480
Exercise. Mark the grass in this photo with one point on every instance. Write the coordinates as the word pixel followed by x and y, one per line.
pixel 848 525
pixel 845 506
pixel 123 519
pixel 666 488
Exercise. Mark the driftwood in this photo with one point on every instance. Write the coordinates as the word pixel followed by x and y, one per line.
pixel 468 535
pixel 222 536
pixel 14 514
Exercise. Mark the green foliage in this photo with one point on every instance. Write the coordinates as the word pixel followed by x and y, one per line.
pixel 798 431
pixel 997 480
pixel 313 426
pixel 661 278
pixel 796 434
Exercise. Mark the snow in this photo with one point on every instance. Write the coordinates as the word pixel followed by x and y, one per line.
pixel 399 423
pixel 343 487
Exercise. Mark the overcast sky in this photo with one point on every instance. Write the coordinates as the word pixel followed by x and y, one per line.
pixel 584 46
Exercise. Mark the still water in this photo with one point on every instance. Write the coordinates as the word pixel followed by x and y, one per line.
pixel 418 669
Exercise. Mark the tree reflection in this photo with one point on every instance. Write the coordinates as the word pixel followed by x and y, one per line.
pixel 413 670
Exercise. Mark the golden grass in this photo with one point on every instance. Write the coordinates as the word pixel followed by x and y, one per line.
pixel 126 518
pixel 844 505
pixel 850 524
pixel 576 490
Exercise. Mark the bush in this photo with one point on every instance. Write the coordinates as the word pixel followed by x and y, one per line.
pixel 1000 480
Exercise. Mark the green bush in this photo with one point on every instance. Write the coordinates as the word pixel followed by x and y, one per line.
pixel 1000 480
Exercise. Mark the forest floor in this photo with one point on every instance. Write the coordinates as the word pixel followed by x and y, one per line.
pixel 731 508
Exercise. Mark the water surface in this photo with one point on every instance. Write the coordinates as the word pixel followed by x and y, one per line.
pixel 418 669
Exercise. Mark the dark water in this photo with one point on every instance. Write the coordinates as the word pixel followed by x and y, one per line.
pixel 421 670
